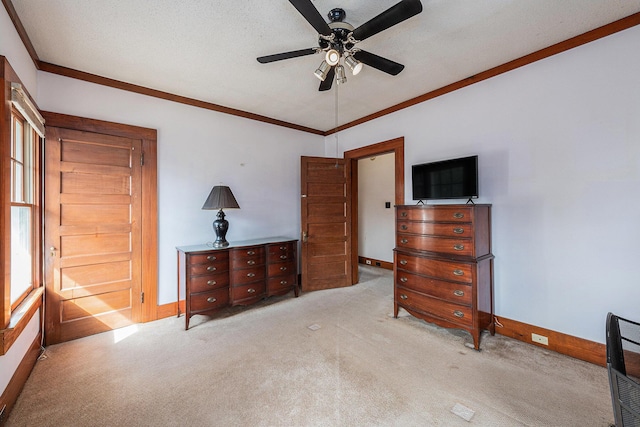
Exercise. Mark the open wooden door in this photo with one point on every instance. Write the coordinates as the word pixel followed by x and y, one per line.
pixel 94 266
pixel 325 223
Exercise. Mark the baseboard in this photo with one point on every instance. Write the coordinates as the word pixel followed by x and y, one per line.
pixel 569 345
pixel 19 378
pixel 375 262
pixel 171 309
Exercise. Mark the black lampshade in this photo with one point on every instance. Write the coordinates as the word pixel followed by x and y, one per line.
pixel 219 198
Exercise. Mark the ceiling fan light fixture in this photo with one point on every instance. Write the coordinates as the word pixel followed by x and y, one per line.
pixel 341 76
pixel 332 57
pixel 322 71
pixel 354 65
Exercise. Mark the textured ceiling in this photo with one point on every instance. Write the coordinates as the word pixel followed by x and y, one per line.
pixel 207 49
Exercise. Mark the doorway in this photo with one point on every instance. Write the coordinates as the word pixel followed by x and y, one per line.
pixel 395 146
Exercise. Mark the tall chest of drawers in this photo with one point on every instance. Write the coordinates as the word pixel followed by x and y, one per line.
pixel 241 274
pixel 443 266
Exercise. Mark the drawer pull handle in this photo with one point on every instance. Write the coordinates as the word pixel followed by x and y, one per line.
pixel 458 273
pixel 251 252
pixel 283 257
pixel 458 215
pixel 404 214
pixel 251 262
pixel 404 241
pixel 458 247
pixel 251 275
pixel 458 293
pixel 283 248
pixel 458 313
pixel 251 291
pixel 404 227
pixel 283 282
pixel 211 268
pixel 211 299
pixel 458 230
pixel 283 268
pixel 211 282
pixel 211 258
pixel 403 262
pixel 403 279
pixel 403 296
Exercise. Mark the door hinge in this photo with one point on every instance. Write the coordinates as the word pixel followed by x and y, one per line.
pixel 142 297
pixel 141 159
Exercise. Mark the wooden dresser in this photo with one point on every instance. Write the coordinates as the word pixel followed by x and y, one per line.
pixel 443 266
pixel 240 274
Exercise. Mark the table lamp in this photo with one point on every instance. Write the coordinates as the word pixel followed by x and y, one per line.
pixel 219 198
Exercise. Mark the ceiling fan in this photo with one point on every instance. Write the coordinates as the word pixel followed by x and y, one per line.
pixel 338 40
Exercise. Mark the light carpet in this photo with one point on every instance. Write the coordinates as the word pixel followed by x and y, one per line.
pixel 327 358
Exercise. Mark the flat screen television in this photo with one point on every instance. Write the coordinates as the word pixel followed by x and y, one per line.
pixel 447 179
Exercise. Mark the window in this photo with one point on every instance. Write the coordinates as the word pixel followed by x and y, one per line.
pixel 24 209
pixel 21 139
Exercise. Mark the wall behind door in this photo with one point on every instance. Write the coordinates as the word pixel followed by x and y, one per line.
pixel 376 185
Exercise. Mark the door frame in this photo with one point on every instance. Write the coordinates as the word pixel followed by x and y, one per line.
pixel 149 183
pixel 395 146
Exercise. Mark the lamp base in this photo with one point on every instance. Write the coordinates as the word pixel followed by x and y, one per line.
pixel 220 226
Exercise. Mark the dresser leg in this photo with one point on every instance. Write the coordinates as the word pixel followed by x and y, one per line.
pixel 476 339
pixel 296 290
pixel 395 310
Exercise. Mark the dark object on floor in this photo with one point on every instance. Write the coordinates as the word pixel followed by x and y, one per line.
pixel 623 365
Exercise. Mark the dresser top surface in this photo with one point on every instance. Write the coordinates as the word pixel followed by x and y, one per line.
pixel 237 244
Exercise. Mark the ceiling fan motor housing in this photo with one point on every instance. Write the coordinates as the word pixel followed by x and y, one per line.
pixel 341 31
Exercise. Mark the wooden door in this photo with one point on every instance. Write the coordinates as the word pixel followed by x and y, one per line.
pixel 93 233
pixel 326 223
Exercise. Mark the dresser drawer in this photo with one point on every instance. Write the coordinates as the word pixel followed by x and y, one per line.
pixel 217 298
pixel 435 228
pixel 246 257
pixel 210 257
pixel 209 282
pixel 458 293
pixel 280 268
pixel 447 245
pixel 247 275
pixel 440 269
pixel 439 213
pixel 251 291
pixel 276 284
pixel 209 268
pixel 275 252
pixel 455 313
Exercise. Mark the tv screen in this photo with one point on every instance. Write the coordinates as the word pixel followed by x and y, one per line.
pixel 447 179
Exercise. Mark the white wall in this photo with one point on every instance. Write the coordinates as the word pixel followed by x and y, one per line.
pixel 559 157
pixel 11 47
pixel 198 149
pixel 376 224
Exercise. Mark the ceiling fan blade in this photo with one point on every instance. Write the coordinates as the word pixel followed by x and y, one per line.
pixel 311 14
pixel 328 81
pixel 286 55
pixel 375 61
pixel 390 17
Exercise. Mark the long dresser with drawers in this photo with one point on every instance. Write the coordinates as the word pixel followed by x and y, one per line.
pixel 240 274
pixel 443 266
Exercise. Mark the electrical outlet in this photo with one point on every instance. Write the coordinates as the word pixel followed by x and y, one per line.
pixel 367 261
pixel 540 339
